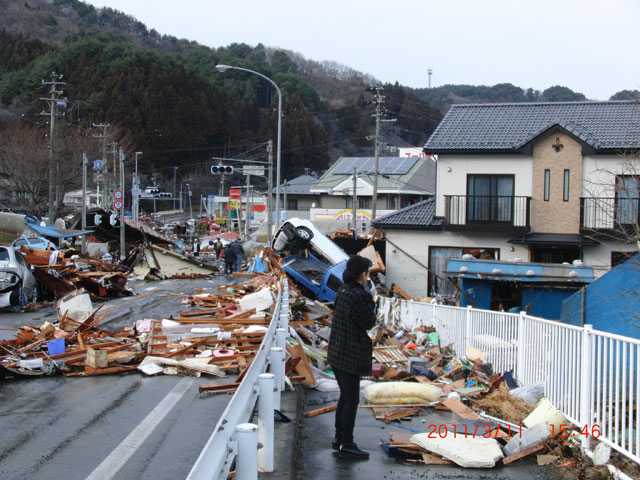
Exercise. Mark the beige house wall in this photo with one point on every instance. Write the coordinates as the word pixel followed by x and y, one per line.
pixel 556 215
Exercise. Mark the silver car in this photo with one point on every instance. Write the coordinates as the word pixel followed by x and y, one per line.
pixel 17 283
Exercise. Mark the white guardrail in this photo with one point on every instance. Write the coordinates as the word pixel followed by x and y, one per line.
pixel 234 438
pixel 592 377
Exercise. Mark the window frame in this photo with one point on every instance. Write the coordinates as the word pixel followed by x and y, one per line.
pixel 546 195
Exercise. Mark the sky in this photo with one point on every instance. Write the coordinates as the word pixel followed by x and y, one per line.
pixel 586 45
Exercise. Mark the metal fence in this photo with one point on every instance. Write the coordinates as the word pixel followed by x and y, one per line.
pixel 592 377
pixel 234 438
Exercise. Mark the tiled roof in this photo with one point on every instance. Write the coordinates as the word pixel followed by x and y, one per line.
pixel 420 216
pixel 419 179
pixel 299 186
pixel 508 126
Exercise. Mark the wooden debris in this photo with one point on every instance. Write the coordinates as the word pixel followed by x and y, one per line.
pixel 320 411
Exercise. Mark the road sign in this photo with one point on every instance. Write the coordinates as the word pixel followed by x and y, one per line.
pixel 117 194
pixel 97 164
pixel 235 194
pixel 253 170
pixel 118 205
pixel 97 177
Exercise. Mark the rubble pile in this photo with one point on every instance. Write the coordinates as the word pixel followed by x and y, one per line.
pixel 219 337
pixel 63 273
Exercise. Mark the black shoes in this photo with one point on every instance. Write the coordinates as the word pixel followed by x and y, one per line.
pixel 335 445
pixel 351 450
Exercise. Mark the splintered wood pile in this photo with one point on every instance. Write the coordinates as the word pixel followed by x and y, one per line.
pixel 217 338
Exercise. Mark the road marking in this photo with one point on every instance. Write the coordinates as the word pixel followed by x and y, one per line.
pixel 148 289
pixel 111 465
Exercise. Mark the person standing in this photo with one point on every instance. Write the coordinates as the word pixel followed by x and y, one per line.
pixel 217 246
pixel 229 257
pixel 350 351
pixel 196 247
pixel 237 248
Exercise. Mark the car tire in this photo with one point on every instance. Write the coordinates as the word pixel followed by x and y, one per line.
pixel 303 233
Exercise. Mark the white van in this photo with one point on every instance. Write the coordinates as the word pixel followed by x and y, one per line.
pixel 297 233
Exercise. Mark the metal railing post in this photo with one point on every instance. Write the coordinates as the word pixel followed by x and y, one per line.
pixel 265 422
pixel 520 349
pixel 277 368
pixel 281 338
pixel 585 384
pixel 247 458
pixel 467 329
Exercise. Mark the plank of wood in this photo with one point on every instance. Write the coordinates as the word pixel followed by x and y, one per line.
pixel 460 409
pixel 395 288
pixel 320 411
pixel 302 367
pixel 221 386
pixel 525 453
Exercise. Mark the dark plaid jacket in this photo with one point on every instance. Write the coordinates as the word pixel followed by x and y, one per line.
pixel 349 345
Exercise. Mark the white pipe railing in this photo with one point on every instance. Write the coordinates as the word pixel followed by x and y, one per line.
pixel 233 436
pixel 592 377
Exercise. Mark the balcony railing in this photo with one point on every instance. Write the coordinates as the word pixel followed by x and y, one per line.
pixel 487 211
pixel 609 213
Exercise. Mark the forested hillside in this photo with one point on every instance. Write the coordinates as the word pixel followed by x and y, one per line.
pixel 163 96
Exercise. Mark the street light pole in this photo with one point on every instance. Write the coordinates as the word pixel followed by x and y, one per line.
pixel 224 68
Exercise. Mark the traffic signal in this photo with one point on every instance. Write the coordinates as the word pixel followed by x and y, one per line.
pixel 153 190
pixel 164 195
pixel 221 169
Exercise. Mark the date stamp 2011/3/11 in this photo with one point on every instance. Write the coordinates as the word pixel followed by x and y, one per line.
pixel 489 431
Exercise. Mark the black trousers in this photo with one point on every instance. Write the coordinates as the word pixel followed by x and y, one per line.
pixel 228 267
pixel 347 405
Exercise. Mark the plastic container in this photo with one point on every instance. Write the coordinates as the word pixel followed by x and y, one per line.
pixel 56 347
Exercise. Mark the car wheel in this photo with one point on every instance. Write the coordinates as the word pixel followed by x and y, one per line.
pixel 303 233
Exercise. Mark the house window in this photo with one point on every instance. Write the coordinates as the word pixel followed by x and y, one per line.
pixel 620 257
pixel 565 188
pixel 627 198
pixel 490 198
pixel 364 202
pixel 547 184
pixel 292 204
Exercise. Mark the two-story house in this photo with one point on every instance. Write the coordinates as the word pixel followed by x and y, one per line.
pixel 543 182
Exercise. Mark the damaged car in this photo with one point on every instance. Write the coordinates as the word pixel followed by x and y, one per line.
pixel 311 258
pixel 17 283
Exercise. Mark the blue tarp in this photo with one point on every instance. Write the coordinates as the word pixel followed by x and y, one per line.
pixel 49 230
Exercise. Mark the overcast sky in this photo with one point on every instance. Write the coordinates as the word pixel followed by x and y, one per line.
pixel 590 46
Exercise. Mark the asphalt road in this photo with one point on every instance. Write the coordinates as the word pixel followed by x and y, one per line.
pixel 120 426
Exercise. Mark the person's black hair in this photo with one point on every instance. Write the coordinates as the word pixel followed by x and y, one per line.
pixel 356 265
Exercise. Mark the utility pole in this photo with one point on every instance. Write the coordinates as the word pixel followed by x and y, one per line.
pixel 175 169
pixel 104 126
pixel 122 246
pixel 85 162
pixel 429 72
pixel 135 193
pixel 247 212
pixel 355 204
pixel 269 196
pixel 52 100
pixel 379 102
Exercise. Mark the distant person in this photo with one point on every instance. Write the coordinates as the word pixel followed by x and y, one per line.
pixel 350 351
pixel 217 246
pixel 237 248
pixel 196 247
pixel 229 257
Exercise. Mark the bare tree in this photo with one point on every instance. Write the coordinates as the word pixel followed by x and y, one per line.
pixel 24 164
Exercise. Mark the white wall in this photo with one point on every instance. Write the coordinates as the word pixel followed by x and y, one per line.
pixel 411 277
pixel 599 257
pixel 599 173
pixel 455 181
